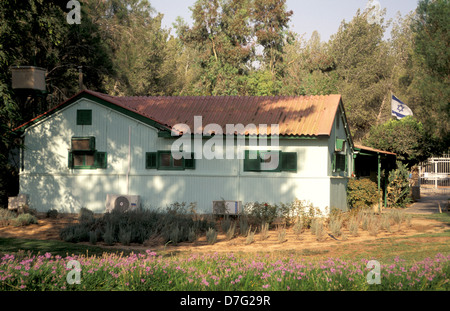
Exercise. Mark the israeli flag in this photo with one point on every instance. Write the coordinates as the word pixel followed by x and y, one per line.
pixel 399 109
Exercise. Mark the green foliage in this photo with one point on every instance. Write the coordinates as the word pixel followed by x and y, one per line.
pixel 85 215
pixel 6 216
pixel 362 193
pixel 211 236
pixel 175 223
pixel 398 188
pixel 52 213
pixel 24 220
pixel 261 212
pixel 406 137
pixel 432 82
pixel 361 63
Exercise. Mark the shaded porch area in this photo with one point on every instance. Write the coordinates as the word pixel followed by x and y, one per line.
pixel 375 165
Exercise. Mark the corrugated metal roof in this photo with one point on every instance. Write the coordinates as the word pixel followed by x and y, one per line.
pixel 374 150
pixel 295 115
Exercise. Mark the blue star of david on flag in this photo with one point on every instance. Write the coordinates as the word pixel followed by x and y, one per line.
pixel 399 109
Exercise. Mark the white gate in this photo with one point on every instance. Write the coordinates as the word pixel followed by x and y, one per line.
pixel 435 174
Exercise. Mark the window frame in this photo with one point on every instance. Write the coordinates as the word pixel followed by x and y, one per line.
pixel 254 165
pixel 84 117
pixel 186 164
pixel 100 158
pixel 335 167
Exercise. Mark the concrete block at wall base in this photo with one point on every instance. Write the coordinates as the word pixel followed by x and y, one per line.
pixel 18 203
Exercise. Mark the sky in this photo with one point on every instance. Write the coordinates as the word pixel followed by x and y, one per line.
pixel 325 16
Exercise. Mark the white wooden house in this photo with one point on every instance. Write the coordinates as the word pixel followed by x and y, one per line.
pixel 94 146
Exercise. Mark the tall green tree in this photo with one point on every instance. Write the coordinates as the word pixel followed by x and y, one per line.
pixel 221 37
pixel 431 27
pixel 362 63
pixel 270 19
pixel 310 69
pixel 36 33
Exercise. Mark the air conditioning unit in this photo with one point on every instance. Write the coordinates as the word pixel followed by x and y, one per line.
pixel 227 207
pixel 122 203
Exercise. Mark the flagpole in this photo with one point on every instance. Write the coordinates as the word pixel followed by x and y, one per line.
pixel 381 108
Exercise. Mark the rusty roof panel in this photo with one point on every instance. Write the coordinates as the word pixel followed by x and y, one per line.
pixel 295 115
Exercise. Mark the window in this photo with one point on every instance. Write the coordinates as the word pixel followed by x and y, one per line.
pixel 163 160
pixel 83 154
pixel 275 161
pixel 339 162
pixel 84 117
pixel 83 143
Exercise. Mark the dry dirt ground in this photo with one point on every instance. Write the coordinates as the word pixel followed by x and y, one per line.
pixel 48 229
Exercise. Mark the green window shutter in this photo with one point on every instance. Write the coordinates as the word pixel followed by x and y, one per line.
pixel 250 164
pixel 346 163
pixel 84 117
pixel 92 143
pixel 289 161
pixel 150 160
pixel 340 144
pixel 70 160
pixel 101 160
pixel 274 153
pixel 333 163
pixel 189 163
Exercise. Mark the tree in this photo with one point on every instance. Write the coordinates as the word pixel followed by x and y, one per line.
pixel 36 33
pixel 361 59
pixel 221 38
pixel 406 137
pixel 310 69
pixel 271 19
pixel 431 46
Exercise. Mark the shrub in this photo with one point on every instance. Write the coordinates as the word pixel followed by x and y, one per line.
pixel 231 230
pixel 137 226
pixel 250 236
pixel 317 228
pixel 336 226
pixel 93 237
pixel 108 236
pixel 6 216
pixel 124 235
pixel 386 222
pixel 261 212
pixel 362 193
pixel 264 231
pixel 353 226
pixel 52 213
pixel 225 224
pixel 85 215
pixel 298 229
pixel 75 233
pixel 243 225
pixel 398 188
pixel 192 236
pixel 374 225
pixel 25 220
pixel 281 236
pixel 211 236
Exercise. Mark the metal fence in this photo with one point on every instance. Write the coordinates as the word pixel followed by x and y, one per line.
pixel 435 174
